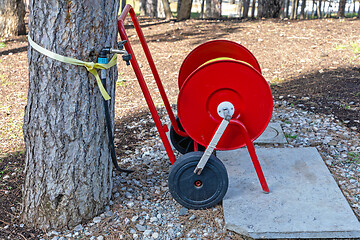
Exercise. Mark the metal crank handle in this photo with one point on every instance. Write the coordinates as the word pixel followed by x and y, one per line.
pixel 219 132
pixel 118 51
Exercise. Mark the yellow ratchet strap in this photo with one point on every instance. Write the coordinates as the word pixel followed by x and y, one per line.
pixel 90 66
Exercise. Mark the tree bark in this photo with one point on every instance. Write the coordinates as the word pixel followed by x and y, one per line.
pixel 241 4
pixel 185 10
pixel 253 8
pixel 341 11
pixel 208 9
pixel 302 12
pixel 216 12
pixel 318 9
pixel 246 8
pixel 287 8
pixel 151 8
pixel 142 7
pixel 272 8
pixel 178 6
pixel 12 13
pixel 295 4
pixel 167 9
pixel 202 8
pixel 68 163
pixel 260 9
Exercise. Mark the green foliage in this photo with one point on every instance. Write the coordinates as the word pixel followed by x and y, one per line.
pixel 347 107
pixel 4 80
pixel 354 47
pixel 352 158
pixel 2 45
pixel 340 47
pixel 291 136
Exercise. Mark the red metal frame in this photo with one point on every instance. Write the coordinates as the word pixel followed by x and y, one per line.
pixel 253 156
pixel 161 128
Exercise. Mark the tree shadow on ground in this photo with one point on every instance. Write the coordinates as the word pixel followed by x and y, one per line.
pixel 335 92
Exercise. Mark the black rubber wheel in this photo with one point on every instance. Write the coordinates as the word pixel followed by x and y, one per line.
pixel 182 144
pixel 198 191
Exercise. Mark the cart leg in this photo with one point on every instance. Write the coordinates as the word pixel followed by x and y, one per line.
pixel 254 158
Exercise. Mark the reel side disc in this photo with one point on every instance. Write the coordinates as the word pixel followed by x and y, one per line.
pixel 224 81
pixel 212 50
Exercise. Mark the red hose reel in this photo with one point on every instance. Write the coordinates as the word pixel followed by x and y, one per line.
pixel 224 103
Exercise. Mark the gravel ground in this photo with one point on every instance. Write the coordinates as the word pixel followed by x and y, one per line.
pixel 142 207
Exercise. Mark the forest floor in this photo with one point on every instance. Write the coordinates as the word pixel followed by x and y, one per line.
pixel 313 65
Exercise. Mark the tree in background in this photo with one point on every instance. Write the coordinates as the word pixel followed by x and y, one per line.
pixel 68 166
pixel 271 8
pixel 295 4
pixel 185 10
pixel 167 9
pixel 12 13
pixel 341 11
pixel 302 12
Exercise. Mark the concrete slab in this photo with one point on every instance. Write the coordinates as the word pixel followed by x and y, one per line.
pixel 272 134
pixel 304 199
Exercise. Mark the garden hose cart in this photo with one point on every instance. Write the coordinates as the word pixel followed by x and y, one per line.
pixel 224 103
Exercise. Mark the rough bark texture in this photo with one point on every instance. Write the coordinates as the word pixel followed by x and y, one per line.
pixel 303 6
pixel 167 9
pixel 185 10
pixel 253 2
pixel 142 7
pixel 12 13
pixel 246 8
pixel 213 9
pixel 318 9
pixel 341 11
pixel 68 165
pixel 271 8
pixel 294 10
pixel 151 8
pixel 208 9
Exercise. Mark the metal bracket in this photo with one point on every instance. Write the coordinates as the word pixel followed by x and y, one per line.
pixel 225 110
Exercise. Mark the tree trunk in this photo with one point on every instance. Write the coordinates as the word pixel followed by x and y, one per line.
pixel 241 4
pixel 216 12
pixel 358 15
pixel 295 4
pixel 151 8
pixel 260 9
pixel 12 13
pixel 202 8
pixel 272 8
pixel 246 8
pixel 178 6
pixel 341 11
pixel 142 7
pixel 68 164
pixel 253 8
pixel 287 8
pixel 208 9
pixel 185 10
pixel 302 13
pixel 318 9
pixel 167 9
